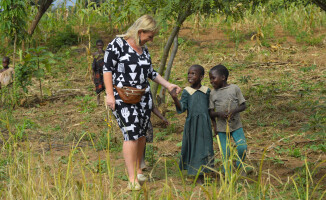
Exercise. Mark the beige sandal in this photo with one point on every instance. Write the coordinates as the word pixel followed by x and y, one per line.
pixel 134 186
pixel 141 178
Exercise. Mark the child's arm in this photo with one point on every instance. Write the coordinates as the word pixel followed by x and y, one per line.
pixel 174 96
pixel 213 119
pixel 242 103
pixel 214 114
pixel 238 109
pixel 157 112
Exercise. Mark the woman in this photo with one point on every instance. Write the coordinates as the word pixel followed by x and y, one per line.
pixel 128 63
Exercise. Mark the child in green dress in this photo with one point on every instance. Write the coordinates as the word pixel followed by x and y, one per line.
pixel 197 143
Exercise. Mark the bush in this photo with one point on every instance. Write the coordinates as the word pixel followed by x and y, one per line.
pixel 64 38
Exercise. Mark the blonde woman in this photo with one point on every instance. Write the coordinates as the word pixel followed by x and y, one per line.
pixel 128 63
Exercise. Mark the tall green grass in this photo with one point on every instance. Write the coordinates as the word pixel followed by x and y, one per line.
pixel 29 174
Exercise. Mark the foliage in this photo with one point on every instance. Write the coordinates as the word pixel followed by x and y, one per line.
pixel 102 143
pixel 64 38
pixel 12 17
pixel 35 63
pixel 281 99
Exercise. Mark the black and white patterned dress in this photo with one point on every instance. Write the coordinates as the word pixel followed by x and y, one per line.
pixel 128 68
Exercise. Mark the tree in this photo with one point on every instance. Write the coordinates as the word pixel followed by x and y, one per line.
pixel 43 6
pixel 177 11
pixel 320 3
pixel 12 19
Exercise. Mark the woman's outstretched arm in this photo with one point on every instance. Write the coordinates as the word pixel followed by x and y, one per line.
pixel 160 80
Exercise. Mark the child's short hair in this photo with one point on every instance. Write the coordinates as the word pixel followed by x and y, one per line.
pixel 99 41
pixel 200 68
pixel 6 58
pixel 221 70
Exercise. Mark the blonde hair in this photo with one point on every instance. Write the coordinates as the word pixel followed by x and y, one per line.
pixel 145 23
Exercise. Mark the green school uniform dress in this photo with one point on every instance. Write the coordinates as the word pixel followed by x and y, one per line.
pixel 197 142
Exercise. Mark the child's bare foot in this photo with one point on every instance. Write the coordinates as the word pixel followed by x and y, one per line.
pixel 98 100
pixel 200 180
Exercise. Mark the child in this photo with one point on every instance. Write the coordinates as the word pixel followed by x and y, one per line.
pixel 197 143
pixel 6 74
pixel 149 133
pixel 228 102
pixel 97 66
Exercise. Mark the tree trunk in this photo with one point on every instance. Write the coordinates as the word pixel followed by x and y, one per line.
pixel 168 69
pixel 321 4
pixel 40 81
pixel 14 54
pixel 181 18
pixel 44 5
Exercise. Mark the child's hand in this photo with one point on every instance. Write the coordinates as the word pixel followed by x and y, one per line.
pixel 215 133
pixel 166 122
pixel 173 93
pixel 230 115
pixel 172 87
pixel 223 115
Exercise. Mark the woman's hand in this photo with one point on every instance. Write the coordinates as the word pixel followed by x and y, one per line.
pixel 173 86
pixel 110 102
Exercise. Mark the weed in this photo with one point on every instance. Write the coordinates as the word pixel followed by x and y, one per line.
pixel 61 39
pixel 280 150
pixel 236 36
pixel 63 159
pixel 316 121
pixel 278 161
pixel 244 79
pixel 102 143
pixel 308 69
pixel 304 185
pixel 160 136
pixel 295 152
pixel 87 103
pixel 151 153
pixel 101 166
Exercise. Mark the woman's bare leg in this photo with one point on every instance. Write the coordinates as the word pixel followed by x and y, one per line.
pixel 130 156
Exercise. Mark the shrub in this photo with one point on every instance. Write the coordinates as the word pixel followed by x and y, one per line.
pixel 66 37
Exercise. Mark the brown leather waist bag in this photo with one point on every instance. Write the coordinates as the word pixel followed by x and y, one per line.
pixel 130 95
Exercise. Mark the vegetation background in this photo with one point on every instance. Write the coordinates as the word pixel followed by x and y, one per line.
pixel 56 143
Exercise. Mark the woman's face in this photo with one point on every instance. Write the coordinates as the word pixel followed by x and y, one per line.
pixel 146 36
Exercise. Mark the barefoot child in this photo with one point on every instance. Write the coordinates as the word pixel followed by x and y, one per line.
pixel 226 103
pixel 97 67
pixel 197 142
pixel 6 74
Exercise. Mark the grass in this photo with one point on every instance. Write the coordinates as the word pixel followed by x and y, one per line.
pixel 64 148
